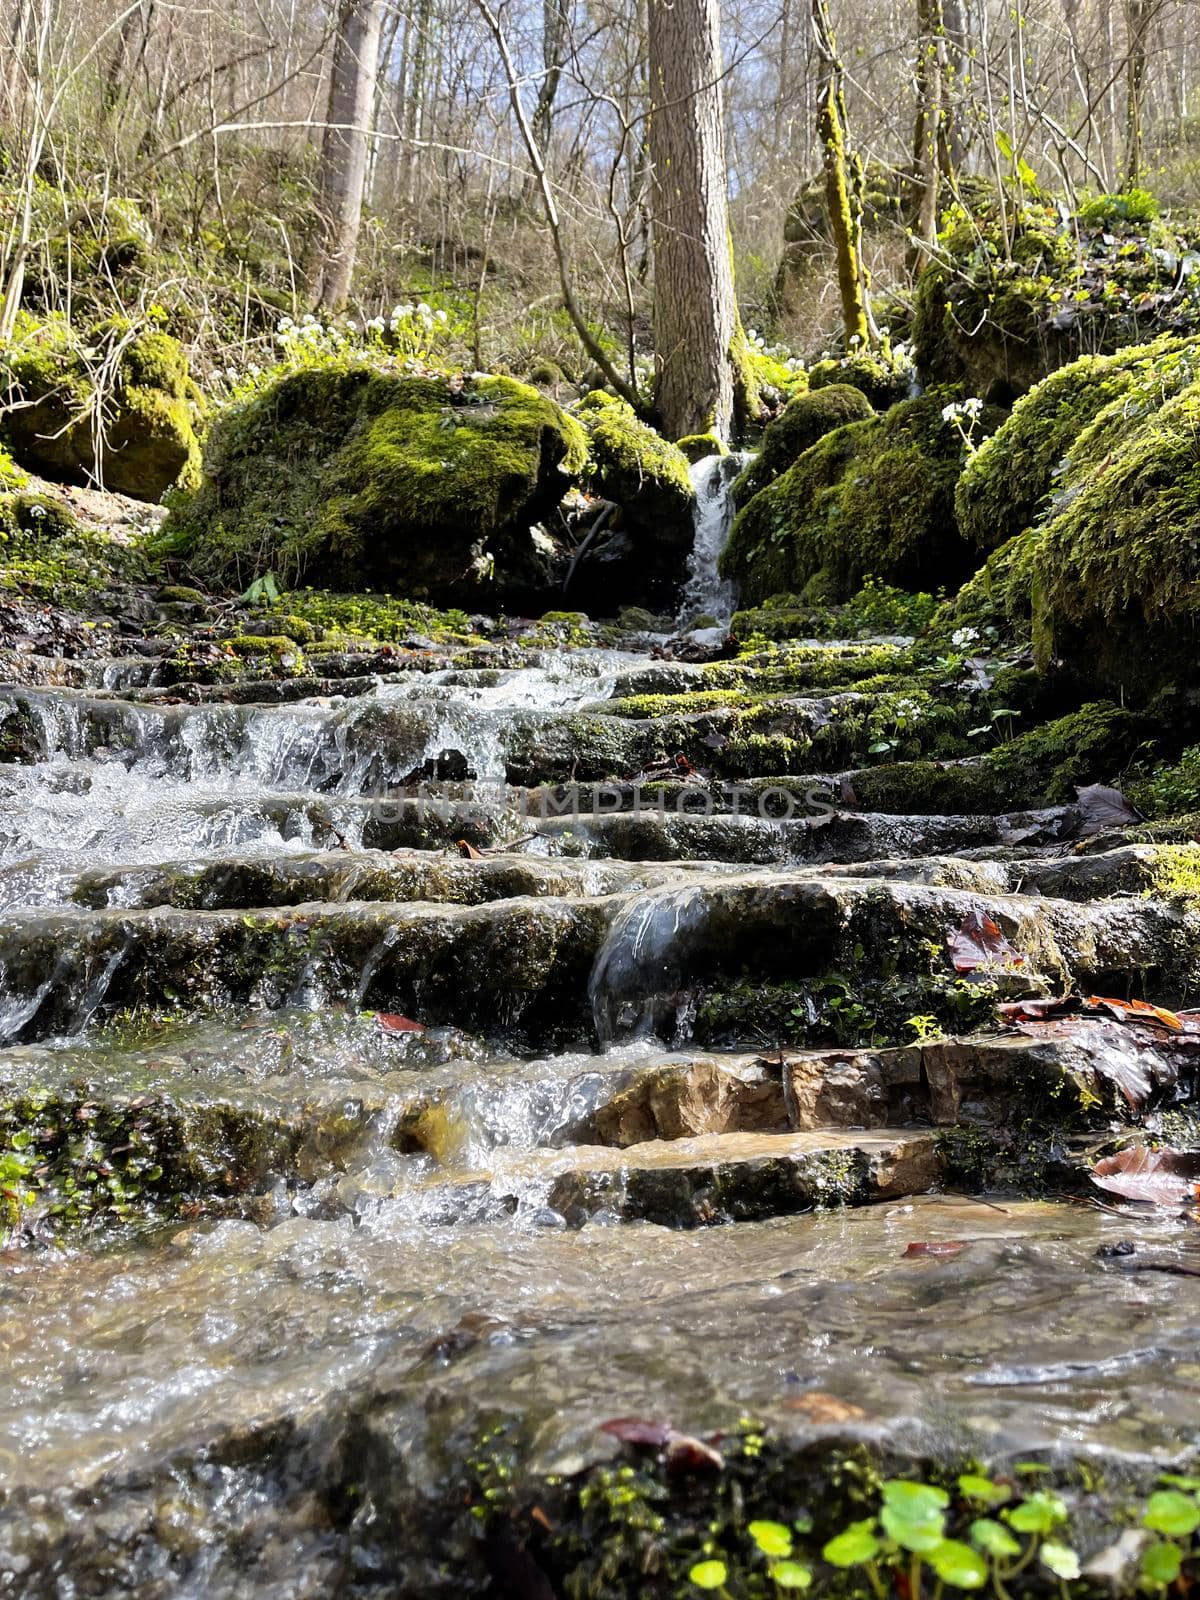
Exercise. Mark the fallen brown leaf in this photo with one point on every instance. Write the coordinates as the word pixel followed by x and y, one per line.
pixel 979 942
pixel 1135 1011
pixel 1163 1177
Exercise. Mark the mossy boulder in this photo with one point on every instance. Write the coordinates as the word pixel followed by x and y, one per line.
pixel 1008 482
pixel 363 478
pixel 805 419
pixel 1015 292
pixel 874 497
pixel 113 406
pixel 884 377
pixel 36 514
pixel 1115 571
pixel 1098 469
pixel 645 474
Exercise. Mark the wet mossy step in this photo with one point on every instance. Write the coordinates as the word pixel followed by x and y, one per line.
pixel 663 834
pixel 340 1109
pixel 369 740
pixel 341 874
pixel 552 967
pixel 346 1112
pixel 258 882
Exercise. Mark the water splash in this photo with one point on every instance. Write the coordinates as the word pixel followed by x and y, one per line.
pixel 705 591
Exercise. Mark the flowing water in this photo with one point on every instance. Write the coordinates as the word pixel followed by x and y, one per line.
pixel 393 1233
pixel 705 591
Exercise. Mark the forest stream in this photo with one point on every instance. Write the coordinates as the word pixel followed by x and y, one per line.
pixel 439 1137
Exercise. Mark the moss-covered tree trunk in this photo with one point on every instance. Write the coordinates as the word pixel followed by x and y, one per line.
pixel 695 314
pixel 344 148
pixel 845 225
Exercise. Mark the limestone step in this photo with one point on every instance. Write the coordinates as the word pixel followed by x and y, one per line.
pixel 734 1177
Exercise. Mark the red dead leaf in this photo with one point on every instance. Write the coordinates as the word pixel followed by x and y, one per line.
pixel 467 849
pixel 979 942
pixel 640 1430
pixel 1161 1177
pixel 393 1022
pixel 937 1248
pixel 1135 1011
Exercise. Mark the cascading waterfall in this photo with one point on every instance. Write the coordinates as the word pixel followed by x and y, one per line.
pixel 705 592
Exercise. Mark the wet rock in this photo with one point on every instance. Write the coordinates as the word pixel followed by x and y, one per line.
pixel 739 1177
pixel 680 1101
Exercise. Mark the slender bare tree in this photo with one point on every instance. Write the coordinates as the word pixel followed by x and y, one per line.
pixel 345 148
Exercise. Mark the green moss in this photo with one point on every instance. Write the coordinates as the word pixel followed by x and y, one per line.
pixel 1094 744
pixel 1170 791
pixel 871 498
pixel 883 378
pixel 1017 290
pixel 876 609
pixel 47 557
pixel 277 649
pixel 366 478
pixel 1175 873
pixel 697 446
pixel 148 413
pixel 11 476
pixel 1008 481
pixel 363 619
pixel 804 420
pixel 1115 568
pixel 633 465
pixel 37 514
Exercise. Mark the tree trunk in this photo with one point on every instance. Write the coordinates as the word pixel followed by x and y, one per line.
pixel 555 22
pixel 345 146
pixel 927 135
pixel 845 225
pixel 695 314
pixel 1139 19
pixel 417 44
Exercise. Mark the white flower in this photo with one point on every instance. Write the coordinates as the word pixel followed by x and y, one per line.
pixel 441 316
pixel 352 327
pixel 964 636
pixel 973 406
pixel 423 310
pixel 308 319
pixel 375 325
pixel 286 324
